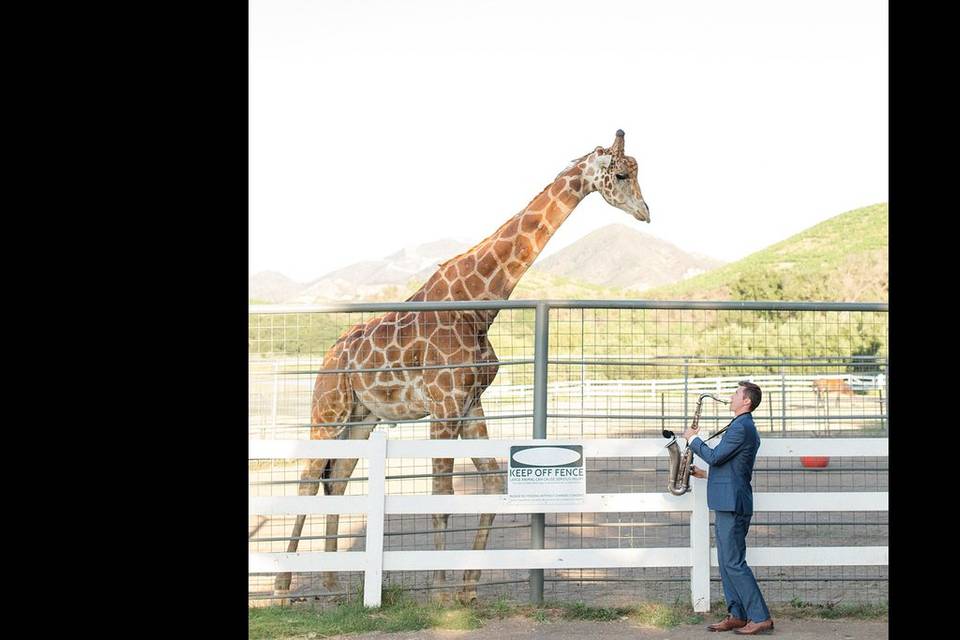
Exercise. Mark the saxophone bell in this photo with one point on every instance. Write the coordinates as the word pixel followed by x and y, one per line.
pixel 680 464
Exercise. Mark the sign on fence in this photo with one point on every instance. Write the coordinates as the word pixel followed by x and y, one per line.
pixel 553 474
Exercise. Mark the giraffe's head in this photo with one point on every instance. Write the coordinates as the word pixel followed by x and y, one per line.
pixel 614 175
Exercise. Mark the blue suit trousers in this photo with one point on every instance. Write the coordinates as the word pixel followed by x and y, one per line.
pixel 740 588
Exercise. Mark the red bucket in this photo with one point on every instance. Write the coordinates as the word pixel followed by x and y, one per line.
pixel 814 462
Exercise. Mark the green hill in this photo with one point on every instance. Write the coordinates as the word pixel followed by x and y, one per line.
pixel 843 259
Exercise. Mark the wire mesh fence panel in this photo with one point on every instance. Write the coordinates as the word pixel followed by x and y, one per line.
pixel 623 373
pixel 613 371
pixel 287 363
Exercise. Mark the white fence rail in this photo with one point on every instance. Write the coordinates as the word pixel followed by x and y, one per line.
pixel 714 384
pixel 699 556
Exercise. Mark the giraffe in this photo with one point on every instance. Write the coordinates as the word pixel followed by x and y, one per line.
pixel 361 388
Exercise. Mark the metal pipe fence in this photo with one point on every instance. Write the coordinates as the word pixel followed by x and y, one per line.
pixel 601 369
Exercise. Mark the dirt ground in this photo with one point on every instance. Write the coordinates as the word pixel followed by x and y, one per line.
pixel 592 630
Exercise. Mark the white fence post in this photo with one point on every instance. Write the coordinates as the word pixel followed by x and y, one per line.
pixel 699 547
pixel 376 488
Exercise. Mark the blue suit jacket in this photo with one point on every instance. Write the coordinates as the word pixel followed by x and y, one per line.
pixel 731 466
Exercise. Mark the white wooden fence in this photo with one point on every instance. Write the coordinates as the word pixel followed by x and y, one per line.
pixel 699 556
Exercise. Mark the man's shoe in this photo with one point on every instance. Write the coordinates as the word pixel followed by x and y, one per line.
pixel 726 624
pixel 756 627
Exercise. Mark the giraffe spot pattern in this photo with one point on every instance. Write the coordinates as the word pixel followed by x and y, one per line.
pixel 503 249
pixel 524 251
pixel 539 202
pixel 530 222
pixel 496 283
pixel 466 266
pixel 475 286
pixel 458 290
pixel 439 290
pixel 568 199
pixel 487 264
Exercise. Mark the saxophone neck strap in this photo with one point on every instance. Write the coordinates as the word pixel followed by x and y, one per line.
pixel 722 430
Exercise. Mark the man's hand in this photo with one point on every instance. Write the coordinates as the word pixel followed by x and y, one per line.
pixel 697 472
pixel 690 433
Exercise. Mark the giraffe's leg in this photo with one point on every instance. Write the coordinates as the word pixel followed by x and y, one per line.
pixel 308 487
pixel 449 403
pixel 332 403
pixel 442 485
pixel 342 468
pixel 493 483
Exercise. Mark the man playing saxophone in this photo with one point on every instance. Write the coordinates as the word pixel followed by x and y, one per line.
pixel 730 495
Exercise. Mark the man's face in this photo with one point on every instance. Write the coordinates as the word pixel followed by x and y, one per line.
pixel 739 401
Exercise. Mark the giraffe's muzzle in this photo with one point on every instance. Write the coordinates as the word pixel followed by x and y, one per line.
pixel 643 213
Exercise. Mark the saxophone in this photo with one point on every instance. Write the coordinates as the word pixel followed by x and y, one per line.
pixel 681 464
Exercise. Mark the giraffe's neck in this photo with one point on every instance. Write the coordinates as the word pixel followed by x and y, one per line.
pixel 491 269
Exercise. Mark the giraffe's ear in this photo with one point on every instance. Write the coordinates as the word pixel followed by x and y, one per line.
pixel 604 161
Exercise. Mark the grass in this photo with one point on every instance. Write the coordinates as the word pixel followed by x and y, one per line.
pixel 832 610
pixel 400 612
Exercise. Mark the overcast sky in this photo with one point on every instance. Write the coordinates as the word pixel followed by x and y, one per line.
pixel 377 125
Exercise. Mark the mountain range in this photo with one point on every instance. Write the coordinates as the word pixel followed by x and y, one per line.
pixel 843 258
pixel 613 259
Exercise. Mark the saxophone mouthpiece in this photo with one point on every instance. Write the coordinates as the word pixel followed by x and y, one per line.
pixel 668 434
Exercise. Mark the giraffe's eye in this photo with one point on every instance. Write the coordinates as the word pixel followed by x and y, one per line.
pixel 621 176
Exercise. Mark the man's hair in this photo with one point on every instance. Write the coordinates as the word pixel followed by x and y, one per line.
pixel 753 392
